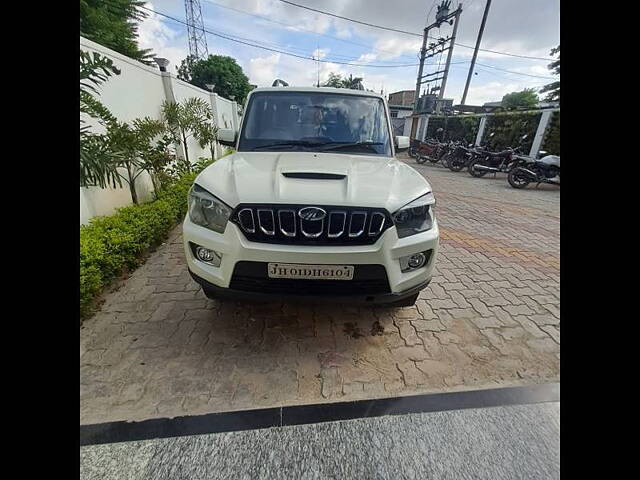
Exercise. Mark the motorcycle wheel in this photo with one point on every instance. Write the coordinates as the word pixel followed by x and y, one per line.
pixel 445 160
pixel 456 164
pixel 412 153
pixel 516 179
pixel 475 173
pixel 421 159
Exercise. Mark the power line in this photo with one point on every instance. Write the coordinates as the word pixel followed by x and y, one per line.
pixel 297 27
pixel 350 19
pixel 411 33
pixel 249 43
pixel 517 73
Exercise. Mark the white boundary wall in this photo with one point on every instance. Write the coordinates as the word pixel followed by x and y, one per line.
pixel 136 93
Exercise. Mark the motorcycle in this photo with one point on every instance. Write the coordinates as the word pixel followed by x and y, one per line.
pixel 442 152
pixel 544 169
pixel 423 151
pixel 495 162
pixel 462 155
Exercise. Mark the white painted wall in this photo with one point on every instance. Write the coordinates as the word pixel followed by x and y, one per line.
pixel 136 93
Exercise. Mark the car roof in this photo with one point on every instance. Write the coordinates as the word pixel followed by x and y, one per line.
pixel 342 91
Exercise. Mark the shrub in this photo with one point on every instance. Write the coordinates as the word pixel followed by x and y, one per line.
pixel 455 128
pixel 509 129
pixel 111 245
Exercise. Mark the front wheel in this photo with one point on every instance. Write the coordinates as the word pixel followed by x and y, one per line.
pixel 472 169
pixel 518 178
pixel 456 164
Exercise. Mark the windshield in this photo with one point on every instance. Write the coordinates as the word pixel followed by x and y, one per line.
pixel 284 121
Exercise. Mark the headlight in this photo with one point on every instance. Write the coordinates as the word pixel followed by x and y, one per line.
pixel 206 210
pixel 415 217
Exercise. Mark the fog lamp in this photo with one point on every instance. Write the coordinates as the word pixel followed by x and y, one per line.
pixel 208 256
pixel 415 261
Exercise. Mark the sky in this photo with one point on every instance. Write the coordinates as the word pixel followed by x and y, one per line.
pixel 522 27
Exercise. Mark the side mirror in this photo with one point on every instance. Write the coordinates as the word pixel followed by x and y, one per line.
pixel 227 136
pixel 402 143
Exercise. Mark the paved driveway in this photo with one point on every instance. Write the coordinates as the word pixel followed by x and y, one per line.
pixel 490 318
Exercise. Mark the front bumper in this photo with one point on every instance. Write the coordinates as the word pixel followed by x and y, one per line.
pixel 234 247
pixel 375 299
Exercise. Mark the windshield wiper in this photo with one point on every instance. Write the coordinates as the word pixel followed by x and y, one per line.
pixel 293 143
pixel 338 146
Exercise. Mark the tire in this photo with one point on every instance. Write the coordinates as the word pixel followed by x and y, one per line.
pixel 421 159
pixel 473 172
pixel 445 160
pixel 405 302
pixel 455 164
pixel 516 180
pixel 412 152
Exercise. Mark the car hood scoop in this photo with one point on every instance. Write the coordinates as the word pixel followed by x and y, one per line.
pixel 315 175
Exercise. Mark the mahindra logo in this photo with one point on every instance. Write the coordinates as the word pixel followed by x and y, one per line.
pixel 312 213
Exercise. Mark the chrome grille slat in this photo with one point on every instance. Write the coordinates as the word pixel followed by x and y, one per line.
pixel 294 223
pixel 251 229
pixel 283 224
pixel 373 216
pixel 273 222
pixel 364 223
pixel 344 222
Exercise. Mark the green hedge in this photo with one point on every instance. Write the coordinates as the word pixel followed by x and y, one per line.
pixel 552 138
pixel 455 128
pixel 112 245
pixel 509 128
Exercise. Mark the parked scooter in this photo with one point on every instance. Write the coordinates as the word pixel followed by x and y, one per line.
pixel 544 169
pixel 496 162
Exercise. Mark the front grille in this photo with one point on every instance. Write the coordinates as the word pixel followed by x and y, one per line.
pixel 252 277
pixel 311 224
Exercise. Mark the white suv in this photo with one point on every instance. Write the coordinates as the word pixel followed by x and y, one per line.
pixel 313 205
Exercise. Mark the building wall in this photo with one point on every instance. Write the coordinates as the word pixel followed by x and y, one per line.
pixel 405 97
pixel 136 93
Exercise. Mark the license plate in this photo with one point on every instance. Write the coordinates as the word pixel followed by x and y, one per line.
pixel 313 272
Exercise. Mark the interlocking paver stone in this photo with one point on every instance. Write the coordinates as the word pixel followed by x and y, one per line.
pixel 491 316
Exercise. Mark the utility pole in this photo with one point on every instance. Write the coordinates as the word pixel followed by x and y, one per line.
pixel 442 16
pixel 475 51
pixel 423 54
pixel 449 55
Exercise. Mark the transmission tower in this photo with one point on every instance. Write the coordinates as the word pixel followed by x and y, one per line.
pixel 195 30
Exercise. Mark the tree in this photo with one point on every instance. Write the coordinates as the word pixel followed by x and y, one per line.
pixel 553 88
pixel 98 162
pixel 185 120
pixel 114 24
pixel 207 134
pixel 353 83
pixel 221 71
pixel 336 81
pixel 134 142
pixel 527 98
